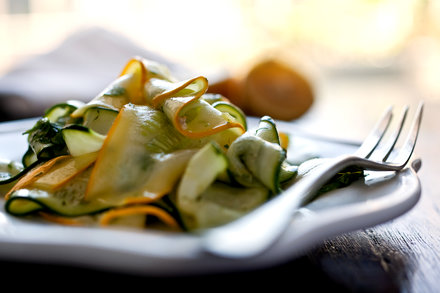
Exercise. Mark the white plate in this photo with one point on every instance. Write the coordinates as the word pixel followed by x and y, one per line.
pixel 161 253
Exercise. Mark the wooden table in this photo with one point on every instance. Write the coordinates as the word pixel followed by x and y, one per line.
pixel 402 255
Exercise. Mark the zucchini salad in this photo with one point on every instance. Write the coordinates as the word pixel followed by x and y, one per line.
pixel 149 151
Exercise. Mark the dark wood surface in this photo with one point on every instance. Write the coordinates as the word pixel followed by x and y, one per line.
pixel 402 255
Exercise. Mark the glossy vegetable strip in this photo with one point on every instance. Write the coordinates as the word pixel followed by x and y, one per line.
pixel 254 161
pixel 139 75
pixel 66 201
pixel 106 161
pixel 63 170
pixel 111 215
pixel 34 174
pixel 62 111
pixel 127 88
pixel 154 69
pixel 202 170
pixel 267 130
pixel 235 112
pixel 137 157
pixel 166 172
pixel 198 118
pixel 113 97
pixel 159 90
pixel 182 103
pixel 82 140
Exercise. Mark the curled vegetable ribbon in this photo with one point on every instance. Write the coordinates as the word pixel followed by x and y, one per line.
pixel 128 87
pixel 144 82
pixel 184 105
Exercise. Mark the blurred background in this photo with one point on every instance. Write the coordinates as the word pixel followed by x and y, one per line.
pixel 220 38
pixel 358 55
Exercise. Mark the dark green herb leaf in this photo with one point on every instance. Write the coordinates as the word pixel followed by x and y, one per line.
pixel 46 140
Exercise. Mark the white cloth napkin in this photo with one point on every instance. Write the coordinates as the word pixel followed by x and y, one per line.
pixel 79 68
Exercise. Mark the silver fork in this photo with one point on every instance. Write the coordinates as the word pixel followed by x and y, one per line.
pixel 255 232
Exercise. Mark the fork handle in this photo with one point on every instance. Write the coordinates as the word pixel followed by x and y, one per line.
pixel 256 231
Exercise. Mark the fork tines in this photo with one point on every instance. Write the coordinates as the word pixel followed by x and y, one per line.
pixel 389 148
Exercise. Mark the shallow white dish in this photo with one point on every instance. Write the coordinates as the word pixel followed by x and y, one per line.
pixel 358 206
